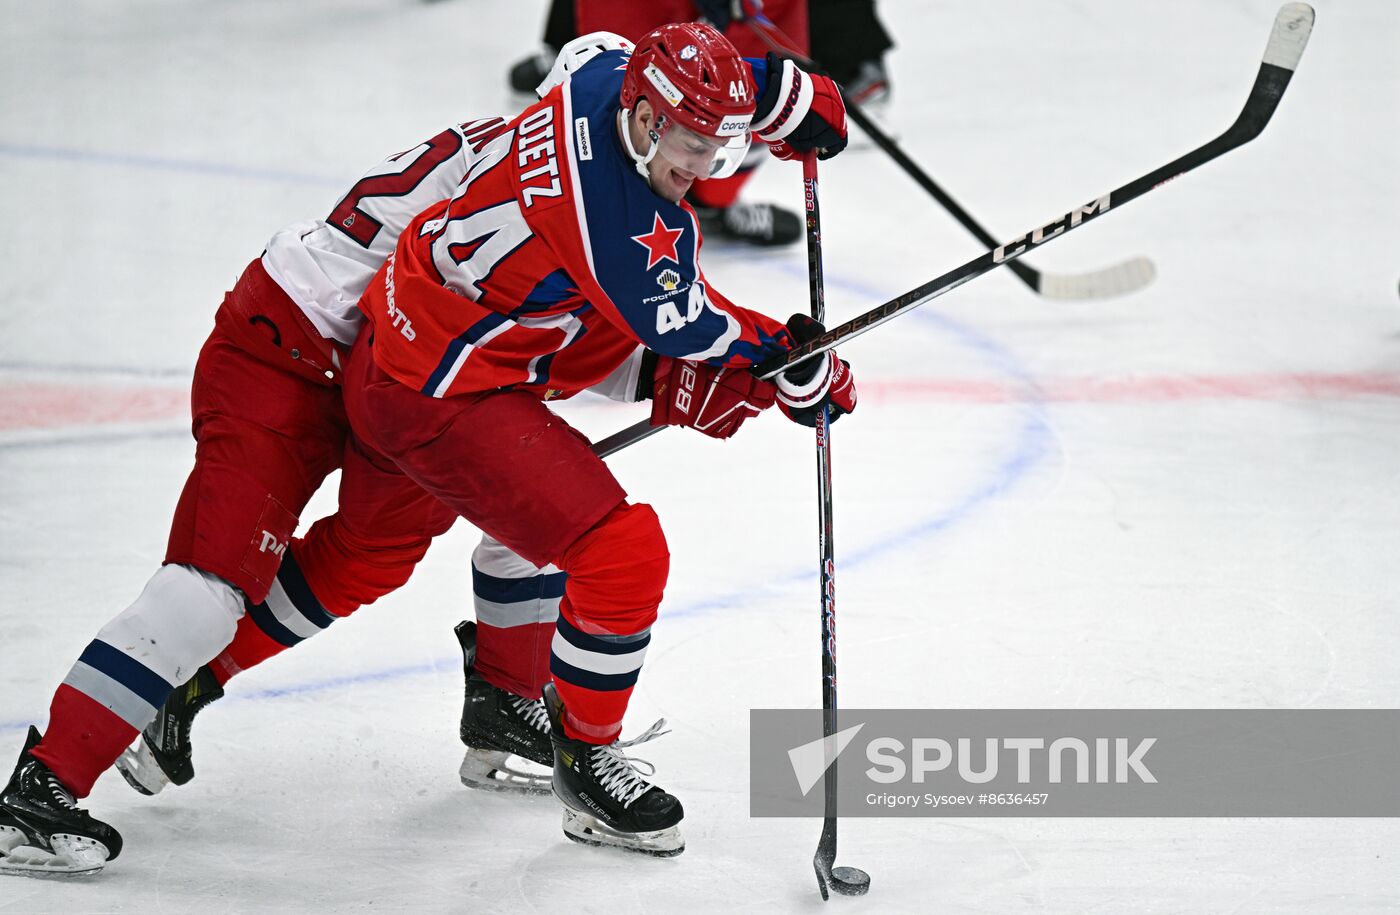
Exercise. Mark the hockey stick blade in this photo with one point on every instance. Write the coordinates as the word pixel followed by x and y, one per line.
pixel 844 881
pixel 1287 40
pixel 1120 279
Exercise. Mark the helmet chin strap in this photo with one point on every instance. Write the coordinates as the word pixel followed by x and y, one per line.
pixel 640 161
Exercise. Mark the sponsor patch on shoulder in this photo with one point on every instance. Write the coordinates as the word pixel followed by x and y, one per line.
pixel 585 145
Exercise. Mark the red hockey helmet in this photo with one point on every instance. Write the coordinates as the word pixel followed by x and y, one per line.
pixel 694 79
pixel 691 73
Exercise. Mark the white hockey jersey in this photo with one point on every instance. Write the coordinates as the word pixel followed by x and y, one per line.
pixel 325 265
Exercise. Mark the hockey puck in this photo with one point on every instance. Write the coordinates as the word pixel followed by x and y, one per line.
pixel 850 881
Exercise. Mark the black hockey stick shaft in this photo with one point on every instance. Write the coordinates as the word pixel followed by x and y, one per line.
pixel 1287 41
pixel 625 438
pixel 826 560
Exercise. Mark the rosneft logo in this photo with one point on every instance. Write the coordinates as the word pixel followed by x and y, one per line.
pixel 668 280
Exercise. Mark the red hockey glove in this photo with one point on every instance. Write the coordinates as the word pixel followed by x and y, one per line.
pixel 800 112
pixel 706 397
pixel 821 379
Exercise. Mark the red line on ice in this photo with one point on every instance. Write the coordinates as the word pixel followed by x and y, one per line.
pixel 1141 389
pixel 41 405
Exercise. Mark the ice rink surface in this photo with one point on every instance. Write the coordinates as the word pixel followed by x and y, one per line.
pixel 1186 498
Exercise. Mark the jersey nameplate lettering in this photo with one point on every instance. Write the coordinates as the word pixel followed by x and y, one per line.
pixel 538 157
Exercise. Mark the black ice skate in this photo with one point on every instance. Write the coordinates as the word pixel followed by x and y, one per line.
pixel 43 832
pixel 606 800
pixel 761 224
pixel 498 725
pixel 162 755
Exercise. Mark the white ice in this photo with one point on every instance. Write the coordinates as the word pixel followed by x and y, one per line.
pixel 1183 498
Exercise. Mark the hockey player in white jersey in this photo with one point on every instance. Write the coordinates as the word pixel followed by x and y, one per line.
pixel 235 586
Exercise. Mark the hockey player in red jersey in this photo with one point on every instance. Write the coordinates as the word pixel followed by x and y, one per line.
pixel 282 333
pixel 269 426
pixel 235 586
pixel 567 256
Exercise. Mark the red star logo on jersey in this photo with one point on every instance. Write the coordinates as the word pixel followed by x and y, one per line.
pixel 660 242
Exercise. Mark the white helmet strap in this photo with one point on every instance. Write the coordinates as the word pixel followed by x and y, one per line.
pixel 639 160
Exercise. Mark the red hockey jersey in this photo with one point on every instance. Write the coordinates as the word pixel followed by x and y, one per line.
pixel 552 262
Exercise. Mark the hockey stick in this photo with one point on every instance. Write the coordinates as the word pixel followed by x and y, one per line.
pixel 1287 40
pixel 847 881
pixel 1119 279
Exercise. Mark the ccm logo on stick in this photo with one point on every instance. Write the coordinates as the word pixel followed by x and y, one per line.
pixel 1050 230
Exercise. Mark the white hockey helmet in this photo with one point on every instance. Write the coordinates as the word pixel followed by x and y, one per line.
pixel 577 53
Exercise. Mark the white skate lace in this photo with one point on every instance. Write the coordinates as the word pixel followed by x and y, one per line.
pixel 754 219
pixel 533 711
pixel 621 776
pixel 61 795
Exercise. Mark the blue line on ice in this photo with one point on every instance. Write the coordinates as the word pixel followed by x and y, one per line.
pixel 165 164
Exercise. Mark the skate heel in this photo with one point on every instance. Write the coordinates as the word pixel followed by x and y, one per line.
pixel 497 770
pixel 141 769
pixel 163 754
pixel 10 839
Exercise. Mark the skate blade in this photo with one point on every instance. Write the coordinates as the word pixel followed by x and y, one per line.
pixel 587 830
pixel 492 770
pixel 140 769
pixel 73 856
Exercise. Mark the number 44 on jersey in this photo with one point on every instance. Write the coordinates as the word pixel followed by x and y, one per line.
pixel 669 317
